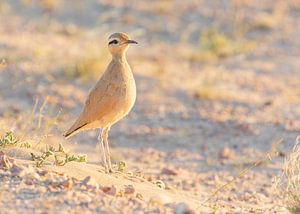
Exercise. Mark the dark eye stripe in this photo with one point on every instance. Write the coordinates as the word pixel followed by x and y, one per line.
pixel 113 42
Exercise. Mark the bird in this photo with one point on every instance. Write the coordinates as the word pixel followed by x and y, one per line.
pixel 111 99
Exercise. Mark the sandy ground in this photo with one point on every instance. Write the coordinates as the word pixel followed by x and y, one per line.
pixel 201 117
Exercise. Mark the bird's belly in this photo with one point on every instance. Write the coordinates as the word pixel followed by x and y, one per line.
pixel 125 99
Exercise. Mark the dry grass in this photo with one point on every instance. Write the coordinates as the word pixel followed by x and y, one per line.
pixel 30 127
pixel 162 7
pixel 264 21
pixel 288 183
pixel 47 6
pixel 218 85
pixel 211 92
pixel 32 131
pixel 89 64
pixel 214 45
pixel 273 152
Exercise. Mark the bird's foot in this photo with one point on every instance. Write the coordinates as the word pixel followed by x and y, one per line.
pixel 109 170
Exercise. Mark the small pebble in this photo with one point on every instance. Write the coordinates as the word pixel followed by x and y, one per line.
pixel 110 190
pixel 168 171
pixel 183 208
pixel 129 189
pixel 90 183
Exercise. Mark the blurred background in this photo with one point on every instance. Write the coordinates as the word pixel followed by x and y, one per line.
pixel 217 84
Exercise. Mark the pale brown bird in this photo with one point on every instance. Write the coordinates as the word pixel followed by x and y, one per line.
pixel 111 99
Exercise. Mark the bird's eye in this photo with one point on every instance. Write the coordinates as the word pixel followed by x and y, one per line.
pixel 113 42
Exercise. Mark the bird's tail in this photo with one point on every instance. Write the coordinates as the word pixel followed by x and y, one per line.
pixel 73 130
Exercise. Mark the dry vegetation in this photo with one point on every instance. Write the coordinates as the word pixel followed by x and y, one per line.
pixel 215 45
pixel 288 184
pixel 218 84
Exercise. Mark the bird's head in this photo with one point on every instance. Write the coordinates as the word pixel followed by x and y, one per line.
pixel 118 43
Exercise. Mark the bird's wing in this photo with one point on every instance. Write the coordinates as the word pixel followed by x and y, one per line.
pixel 100 102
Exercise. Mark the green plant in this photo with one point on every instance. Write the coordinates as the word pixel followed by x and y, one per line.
pixel 121 166
pixel 61 157
pixel 10 140
pixel 25 145
pixel 160 184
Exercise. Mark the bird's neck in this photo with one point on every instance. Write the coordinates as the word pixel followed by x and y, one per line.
pixel 120 57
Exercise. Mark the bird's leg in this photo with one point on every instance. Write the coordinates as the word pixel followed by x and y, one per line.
pixel 103 155
pixel 106 130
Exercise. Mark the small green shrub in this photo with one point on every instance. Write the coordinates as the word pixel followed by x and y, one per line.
pixel 61 157
pixel 9 140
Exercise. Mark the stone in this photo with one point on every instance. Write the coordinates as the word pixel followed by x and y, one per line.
pixel 183 208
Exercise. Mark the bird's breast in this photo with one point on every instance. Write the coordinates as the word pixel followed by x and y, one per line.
pixel 124 88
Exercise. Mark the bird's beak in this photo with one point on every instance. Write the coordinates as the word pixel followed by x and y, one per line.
pixel 131 42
